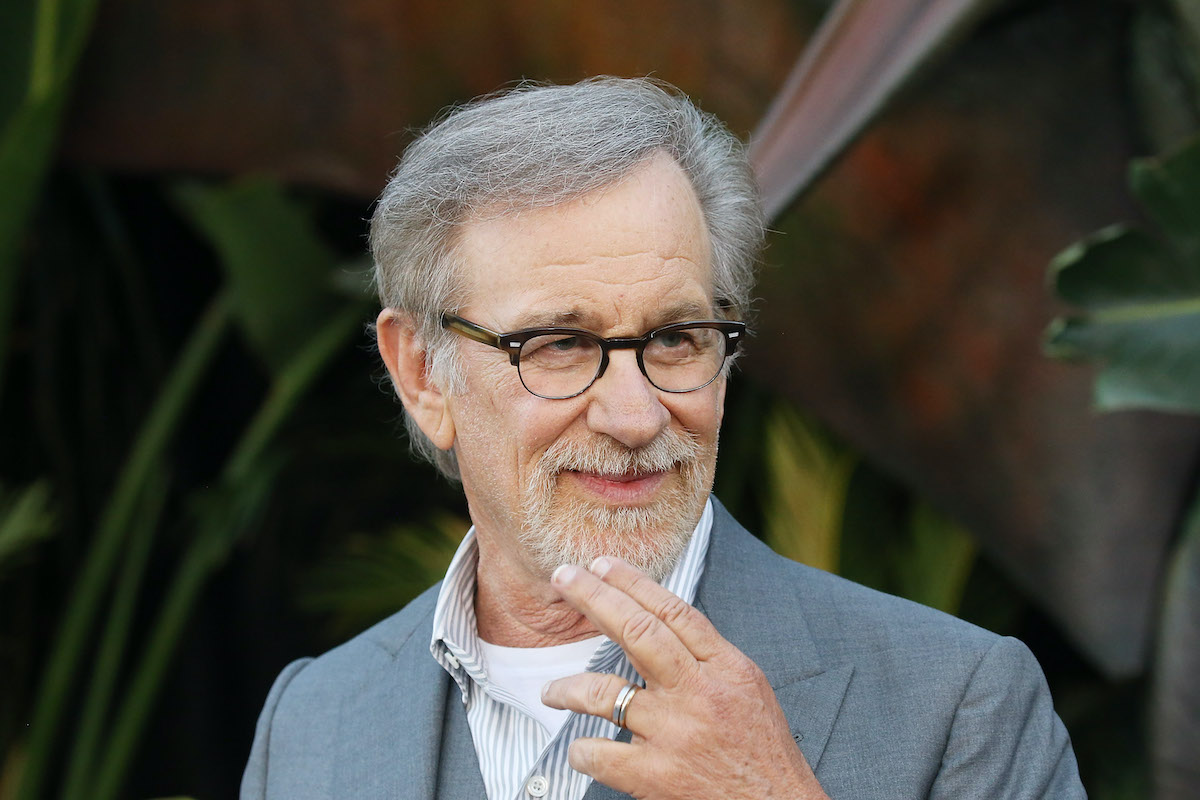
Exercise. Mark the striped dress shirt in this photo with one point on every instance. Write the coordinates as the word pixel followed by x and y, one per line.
pixel 518 758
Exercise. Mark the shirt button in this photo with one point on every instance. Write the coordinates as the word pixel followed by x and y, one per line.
pixel 537 786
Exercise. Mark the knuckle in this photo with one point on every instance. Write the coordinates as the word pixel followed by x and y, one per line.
pixel 593 595
pixel 596 695
pixel 580 757
pixel 673 609
pixel 638 627
pixel 741 670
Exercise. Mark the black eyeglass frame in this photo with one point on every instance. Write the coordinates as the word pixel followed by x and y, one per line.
pixel 511 343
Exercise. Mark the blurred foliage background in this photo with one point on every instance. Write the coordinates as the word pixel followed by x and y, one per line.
pixel 202 477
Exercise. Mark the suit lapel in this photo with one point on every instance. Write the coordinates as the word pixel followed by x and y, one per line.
pixel 411 695
pixel 761 614
pixel 458 770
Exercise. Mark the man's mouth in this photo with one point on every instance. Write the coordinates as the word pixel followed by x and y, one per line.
pixel 628 488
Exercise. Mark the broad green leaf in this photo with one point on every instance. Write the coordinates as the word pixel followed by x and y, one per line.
pixel 1120 267
pixel 1138 296
pixel 1169 190
pixel 279 272
pixel 1175 704
pixel 1150 362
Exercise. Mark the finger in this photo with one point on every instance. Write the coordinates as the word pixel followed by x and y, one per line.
pixel 653 649
pixel 591 693
pixel 618 765
pixel 693 628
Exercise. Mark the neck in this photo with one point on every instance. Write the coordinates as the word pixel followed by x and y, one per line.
pixel 516 607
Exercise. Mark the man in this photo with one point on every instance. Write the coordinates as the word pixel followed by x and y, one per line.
pixel 564 273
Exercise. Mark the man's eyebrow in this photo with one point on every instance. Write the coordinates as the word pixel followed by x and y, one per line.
pixel 679 312
pixel 550 319
pixel 682 312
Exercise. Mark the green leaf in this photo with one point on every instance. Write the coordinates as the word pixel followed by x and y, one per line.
pixel 1175 703
pixel 221 515
pixel 808 480
pixel 1139 296
pixel 57 30
pixel 25 519
pixel 1119 267
pixel 1162 72
pixel 278 271
pixel 1169 190
pixel 65 659
pixel 16 47
pixel 114 640
pixel 935 560
pixel 374 575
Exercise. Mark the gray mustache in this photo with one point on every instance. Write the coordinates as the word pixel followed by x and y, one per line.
pixel 609 457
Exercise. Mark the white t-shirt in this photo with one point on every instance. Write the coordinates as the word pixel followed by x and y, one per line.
pixel 523 671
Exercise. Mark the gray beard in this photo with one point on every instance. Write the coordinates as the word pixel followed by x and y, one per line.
pixel 565 530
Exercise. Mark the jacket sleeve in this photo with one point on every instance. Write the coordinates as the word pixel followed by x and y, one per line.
pixel 254 779
pixel 1006 741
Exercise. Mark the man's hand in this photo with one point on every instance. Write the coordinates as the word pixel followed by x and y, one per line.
pixel 707 725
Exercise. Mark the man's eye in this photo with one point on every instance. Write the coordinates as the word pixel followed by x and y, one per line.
pixel 558 349
pixel 565 344
pixel 674 340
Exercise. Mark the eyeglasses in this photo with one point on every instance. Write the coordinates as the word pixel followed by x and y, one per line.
pixel 559 363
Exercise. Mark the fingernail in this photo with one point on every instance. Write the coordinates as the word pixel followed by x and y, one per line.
pixel 600 567
pixel 564 574
pixel 546 689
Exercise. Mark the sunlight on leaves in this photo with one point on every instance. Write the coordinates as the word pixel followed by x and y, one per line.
pixel 935 560
pixel 808 479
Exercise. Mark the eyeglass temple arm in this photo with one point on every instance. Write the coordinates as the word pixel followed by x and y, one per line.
pixel 471 330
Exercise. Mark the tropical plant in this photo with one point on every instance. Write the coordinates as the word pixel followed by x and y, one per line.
pixel 38 71
pixel 280 290
pixel 1137 295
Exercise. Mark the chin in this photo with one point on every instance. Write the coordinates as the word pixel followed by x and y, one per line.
pixel 563 525
pixel 579 533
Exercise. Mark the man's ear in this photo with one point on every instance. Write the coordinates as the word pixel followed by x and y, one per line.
pixel 407 362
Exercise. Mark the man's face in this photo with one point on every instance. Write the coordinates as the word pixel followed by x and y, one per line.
pixel 624 468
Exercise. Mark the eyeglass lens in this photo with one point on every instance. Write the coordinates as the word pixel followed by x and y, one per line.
pixel 563 365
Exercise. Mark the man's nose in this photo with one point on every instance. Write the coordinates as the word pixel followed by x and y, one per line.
pixel 624 405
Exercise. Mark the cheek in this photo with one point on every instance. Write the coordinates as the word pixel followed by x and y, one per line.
pixel 700 412
pixel 544 422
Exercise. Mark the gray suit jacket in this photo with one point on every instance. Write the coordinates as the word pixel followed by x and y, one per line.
pixel 887 699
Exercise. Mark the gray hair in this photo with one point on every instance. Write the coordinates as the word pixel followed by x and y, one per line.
pixel 539 145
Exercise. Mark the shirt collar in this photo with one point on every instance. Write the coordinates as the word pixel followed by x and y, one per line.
pixel 454 643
